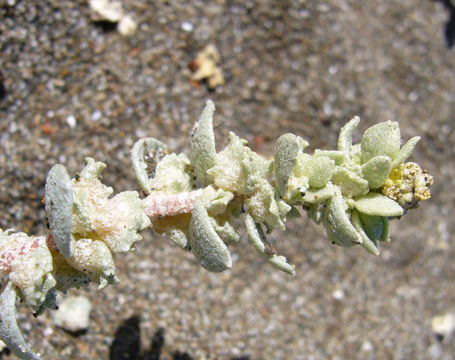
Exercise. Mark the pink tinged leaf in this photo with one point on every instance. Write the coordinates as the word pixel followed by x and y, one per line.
pixel 9 330
pixel 8 256
pixel 159 205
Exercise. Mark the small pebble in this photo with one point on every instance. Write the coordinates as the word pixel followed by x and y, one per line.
pixel 443 325
pixel 71 121
pixel 187 26
pixel 127 25
pixel 338 294
pixel 96 115
pixel 73 314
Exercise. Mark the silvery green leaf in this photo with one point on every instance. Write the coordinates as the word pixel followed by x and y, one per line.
pixel 320 170
pixel 203 151
pixel 381 139
pixel 173 175
pixel 346 132
pixel 370 244
pixel 349 183
pixel 337 222
pixel 215 201
pixel 377 204
pixel 296 187
pixel 178 237
pixel 377 170
pixel 253 169
pixel 287 148
pixel 9 330
pixel 316 196
pixel 93 169
pixel 405 152
pixel 376 227
pixel 257 239
pixel 146 152
pixel 238 168
pixel 356 153
pixel 225 230
pixel 265 208
pixel 339 157
pixel 59 207
pixel 206 245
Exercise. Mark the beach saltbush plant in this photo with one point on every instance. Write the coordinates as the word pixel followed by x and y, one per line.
pixel 353 191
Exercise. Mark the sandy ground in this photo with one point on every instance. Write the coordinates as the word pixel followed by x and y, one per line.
pixel 300 66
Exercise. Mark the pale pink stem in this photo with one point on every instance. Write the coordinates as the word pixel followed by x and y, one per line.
pixel 161 204
pixel 50 242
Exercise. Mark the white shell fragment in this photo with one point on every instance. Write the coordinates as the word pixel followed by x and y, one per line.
pixel 146 152
pixel 9 331
pixel 257 238
pixel 73 314
pixel 203 152
pixel 206 245
pixel 59 207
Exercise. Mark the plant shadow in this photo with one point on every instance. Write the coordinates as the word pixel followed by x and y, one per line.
pixel 127 344
pixel 449 28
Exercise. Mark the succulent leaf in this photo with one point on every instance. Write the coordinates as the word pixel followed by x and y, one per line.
pixel 370 244
pixel 339 157
pixel 337 222
pixel 9 330
pixel 381 139
pixel 316 196
pixel 145 153
pixel 405 152
pixel 203 151
pixel 266 208
pixel 287 148
pixel 173 175
pixel 377 170
pixel 346 132
pixel 349 183
pixel 377 204
pixel 59 207
pixel 257 239
pixel 320 170
pixel 206 245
